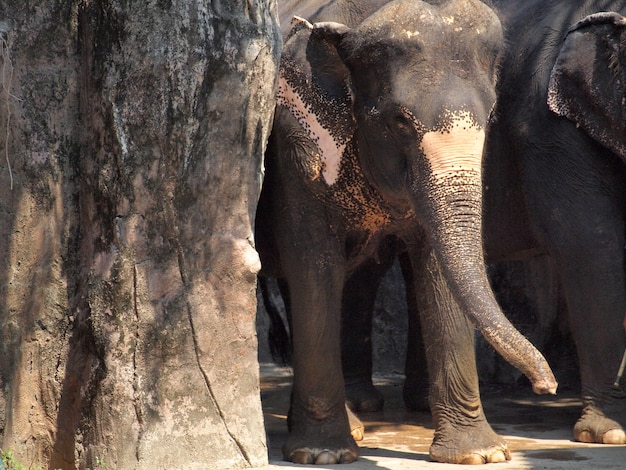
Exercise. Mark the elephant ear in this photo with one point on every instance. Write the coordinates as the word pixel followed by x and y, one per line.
pixel 315 89
pixel 587 84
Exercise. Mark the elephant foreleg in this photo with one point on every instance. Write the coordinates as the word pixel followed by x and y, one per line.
pixel 462 433
pixel 319 431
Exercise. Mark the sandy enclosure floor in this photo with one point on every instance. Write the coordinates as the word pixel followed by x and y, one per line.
pixel 538 430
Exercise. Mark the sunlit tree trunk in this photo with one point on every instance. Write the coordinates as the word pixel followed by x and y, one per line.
pixel 132 139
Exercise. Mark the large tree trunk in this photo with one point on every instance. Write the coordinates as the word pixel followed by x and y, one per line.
pixel 127 196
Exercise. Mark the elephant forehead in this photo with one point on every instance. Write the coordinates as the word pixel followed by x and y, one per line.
pixel 455 146
pixel 330 149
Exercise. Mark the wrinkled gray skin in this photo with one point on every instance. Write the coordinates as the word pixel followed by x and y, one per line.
pixel 556 178
pixel 377 145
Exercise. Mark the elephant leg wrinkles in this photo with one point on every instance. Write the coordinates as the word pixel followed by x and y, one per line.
pixel 314 266
pixel 462 433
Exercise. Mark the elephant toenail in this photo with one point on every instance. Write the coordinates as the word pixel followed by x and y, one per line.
pixel 473 459
pixel 585 436
pixel 302 457
pixel 614 436
pixel 498 457
pixel 325 458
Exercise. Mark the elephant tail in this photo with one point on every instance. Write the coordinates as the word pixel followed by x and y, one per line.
pixel 277 337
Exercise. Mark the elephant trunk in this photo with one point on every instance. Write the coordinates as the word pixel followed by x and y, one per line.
pixel 454 197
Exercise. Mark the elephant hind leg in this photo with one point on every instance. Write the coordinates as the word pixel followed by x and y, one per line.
pixel 359 295
pixel 357 311
pixel 415 389
pixel 363 396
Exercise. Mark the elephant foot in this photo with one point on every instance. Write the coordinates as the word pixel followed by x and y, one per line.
pixel 470 444
pixel 357 430
pixel 363 396
pixel 322 449
pixel 595 428
pixel 415 394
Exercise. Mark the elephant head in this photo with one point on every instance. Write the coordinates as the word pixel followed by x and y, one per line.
pixel 412 88
pixel 588 85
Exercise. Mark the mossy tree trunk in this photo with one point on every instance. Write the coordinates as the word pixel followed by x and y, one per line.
pixel 134 138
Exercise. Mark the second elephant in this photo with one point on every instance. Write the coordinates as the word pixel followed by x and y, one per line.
pixel 556 179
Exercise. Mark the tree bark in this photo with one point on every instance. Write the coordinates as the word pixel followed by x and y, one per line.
pixel 128 188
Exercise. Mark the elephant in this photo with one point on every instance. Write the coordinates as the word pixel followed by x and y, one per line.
pixel 555 179
pixel 377 147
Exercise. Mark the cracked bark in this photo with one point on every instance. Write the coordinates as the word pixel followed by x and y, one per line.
pixel 127 295
pixel 136 372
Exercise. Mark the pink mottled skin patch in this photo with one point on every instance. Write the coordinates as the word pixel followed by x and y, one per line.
pixel 456 148
pixel 330 151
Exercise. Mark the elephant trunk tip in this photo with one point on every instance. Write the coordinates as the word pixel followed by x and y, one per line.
pixel 542 378
pixel 520 353
pixel 545 386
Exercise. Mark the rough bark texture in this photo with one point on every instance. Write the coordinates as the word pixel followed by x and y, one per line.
pixel 135 139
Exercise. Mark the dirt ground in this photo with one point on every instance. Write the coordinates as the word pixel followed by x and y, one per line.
pixel 538 430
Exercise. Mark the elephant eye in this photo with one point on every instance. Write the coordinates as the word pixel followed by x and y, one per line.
pixel 403 123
